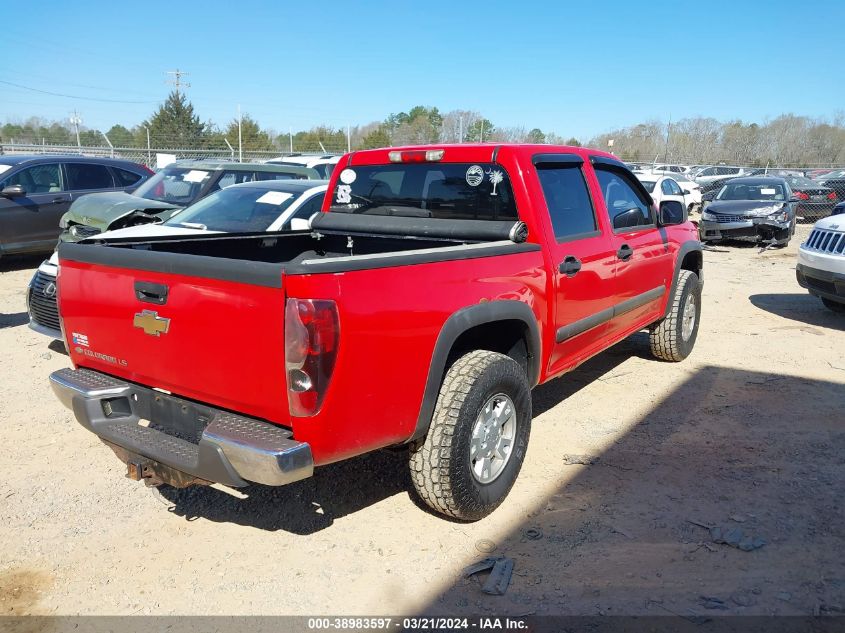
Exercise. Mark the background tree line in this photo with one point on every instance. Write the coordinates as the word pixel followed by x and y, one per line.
pixel 786 140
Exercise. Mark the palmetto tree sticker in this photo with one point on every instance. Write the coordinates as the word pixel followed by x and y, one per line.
pixel 496 177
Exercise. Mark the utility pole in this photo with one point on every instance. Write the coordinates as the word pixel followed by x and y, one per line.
pixel 177 82
pixel 482 130
pixel 668 129
pixel 460 129
pixel 149 153
pixel 75 121
pixel 240 138
pixel 111 147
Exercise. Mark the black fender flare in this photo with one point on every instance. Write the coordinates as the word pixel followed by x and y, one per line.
pixel 685 249
pixel 458 323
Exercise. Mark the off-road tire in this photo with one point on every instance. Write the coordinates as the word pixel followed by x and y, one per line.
pixel 440 463
pixel 834 306
pixel 666 336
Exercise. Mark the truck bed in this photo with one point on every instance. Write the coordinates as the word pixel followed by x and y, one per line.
pixel 219 300
pixel 336 244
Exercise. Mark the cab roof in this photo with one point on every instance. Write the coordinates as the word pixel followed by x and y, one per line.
pixel 481 152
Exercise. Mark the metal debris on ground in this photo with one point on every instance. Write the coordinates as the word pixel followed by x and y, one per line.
pixel 732 536
pixel 485 546
pixel 710 602
pixel 772 244
pixel 713 249
pixel 736 538
pixel 482 565
pixel 499 579
pixel 533 534
pixel 500 575
pixel 585 460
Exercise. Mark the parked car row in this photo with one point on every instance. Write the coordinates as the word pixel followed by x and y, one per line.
pixel 120 195
pixel 36 191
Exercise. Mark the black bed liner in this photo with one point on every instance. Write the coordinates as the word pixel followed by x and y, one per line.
pixel 336 243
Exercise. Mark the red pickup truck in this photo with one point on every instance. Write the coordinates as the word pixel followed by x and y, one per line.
pixel 438 286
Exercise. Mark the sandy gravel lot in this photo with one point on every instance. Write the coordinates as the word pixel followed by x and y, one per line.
pixel 629 458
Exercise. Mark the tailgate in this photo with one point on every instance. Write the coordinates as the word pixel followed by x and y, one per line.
pixel 216 340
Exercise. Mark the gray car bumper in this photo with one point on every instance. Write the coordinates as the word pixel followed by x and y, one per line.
pixel 752 228
pixel 208 444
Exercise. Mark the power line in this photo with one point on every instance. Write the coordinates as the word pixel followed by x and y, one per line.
pixel 59 94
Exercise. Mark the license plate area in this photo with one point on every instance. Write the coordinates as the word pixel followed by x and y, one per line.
pixel 168 414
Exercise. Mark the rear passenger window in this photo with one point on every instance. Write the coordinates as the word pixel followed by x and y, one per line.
pixel 274 175
pixel 82 176
pixel 567 199
pixel 126 178
pixel 625 205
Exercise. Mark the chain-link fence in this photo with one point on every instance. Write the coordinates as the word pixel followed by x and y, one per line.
pixel 145 156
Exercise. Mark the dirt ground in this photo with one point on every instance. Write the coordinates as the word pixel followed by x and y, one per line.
pixel 629 458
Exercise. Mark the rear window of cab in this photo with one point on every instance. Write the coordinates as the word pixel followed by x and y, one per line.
pixel 454 191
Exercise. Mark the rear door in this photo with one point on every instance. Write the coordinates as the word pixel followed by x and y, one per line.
pixel 582 257
pixel 31 222
pixel 642 251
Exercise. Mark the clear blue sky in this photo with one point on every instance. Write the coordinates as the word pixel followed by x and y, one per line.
pixel 574 68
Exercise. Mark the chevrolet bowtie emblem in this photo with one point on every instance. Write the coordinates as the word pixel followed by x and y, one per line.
pixel 151 323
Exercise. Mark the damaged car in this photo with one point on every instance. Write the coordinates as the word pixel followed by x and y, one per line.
pixel 175 187
pixel 757 208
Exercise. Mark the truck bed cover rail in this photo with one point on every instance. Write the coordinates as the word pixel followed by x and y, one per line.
pixel 436 228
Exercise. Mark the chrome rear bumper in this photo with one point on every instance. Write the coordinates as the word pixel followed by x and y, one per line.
pixel 209 444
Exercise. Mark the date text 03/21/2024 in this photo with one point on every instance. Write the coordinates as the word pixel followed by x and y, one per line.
pixel 422 624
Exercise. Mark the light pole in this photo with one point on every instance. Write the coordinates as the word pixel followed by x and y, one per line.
pixel 76 121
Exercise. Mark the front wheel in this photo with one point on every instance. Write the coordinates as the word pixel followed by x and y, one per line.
pixel 673 337
pixel 468 462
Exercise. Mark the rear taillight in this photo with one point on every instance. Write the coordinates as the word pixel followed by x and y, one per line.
pixel 801 195
pixel 311 338
pixel 416 156
pixel 831 195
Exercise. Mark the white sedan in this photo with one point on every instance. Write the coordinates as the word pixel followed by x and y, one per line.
pixel 262 205
pixel 662 184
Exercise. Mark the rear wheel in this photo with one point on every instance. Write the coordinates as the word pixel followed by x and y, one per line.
pixel 835 306
pixel 673 337
pixel 468 462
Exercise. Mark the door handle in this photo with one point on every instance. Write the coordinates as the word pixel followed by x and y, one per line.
pixel 625 252
pixel 570 266
pixel 151 293
pixel 59 199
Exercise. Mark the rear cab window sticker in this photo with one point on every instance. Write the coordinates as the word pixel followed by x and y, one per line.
pixel 344 194
pixel 475 175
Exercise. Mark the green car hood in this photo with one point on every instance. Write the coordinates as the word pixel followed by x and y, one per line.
pixel 101 210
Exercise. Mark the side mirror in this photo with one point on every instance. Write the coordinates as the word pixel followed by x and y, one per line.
pixel 13 191
pixel 671 212
pixel 628 218
pixel 685 192
pixel 300 224
pixel 794 199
